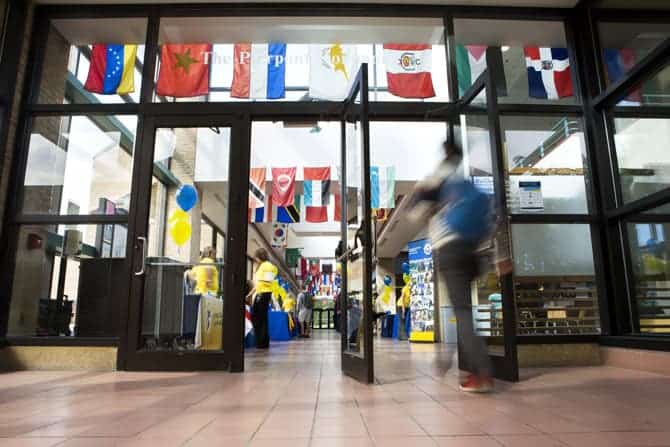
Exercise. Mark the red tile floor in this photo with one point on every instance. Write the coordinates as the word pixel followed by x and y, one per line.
pixel 296 396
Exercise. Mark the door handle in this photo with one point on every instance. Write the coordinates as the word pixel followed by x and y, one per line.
pixel 142 270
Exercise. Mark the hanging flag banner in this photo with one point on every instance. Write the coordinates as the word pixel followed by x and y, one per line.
pixel 184 70
pixel 382 187
pixel 408 69
pixel 332 69
pixel 279 234
pixel 618 62
pixel 258 215
pixel 470 63
pixel 283 186
pixel 288 214
pixel 259 71
pixel 549 75
pixel 112 69
pixel 257 188
pixel 316 188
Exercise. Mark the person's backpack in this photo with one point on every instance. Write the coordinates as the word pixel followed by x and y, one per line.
pixel 469 210
pixel 308 301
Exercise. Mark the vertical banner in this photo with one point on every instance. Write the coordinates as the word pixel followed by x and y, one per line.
pixel 422 305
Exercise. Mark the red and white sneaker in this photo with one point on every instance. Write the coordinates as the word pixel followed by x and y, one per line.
pixel 476 384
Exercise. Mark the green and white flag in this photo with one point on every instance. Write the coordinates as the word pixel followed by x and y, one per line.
pixel 470 62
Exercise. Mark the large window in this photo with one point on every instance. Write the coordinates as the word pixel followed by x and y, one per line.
pixel 65 280
pixel 554 279
pixel 536 64
pixel 314 47
pixel 650 258
pixel 79 165
pixel 546 164
pixel 92 61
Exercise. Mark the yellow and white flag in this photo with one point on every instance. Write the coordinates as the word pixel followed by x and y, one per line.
pixel 332 69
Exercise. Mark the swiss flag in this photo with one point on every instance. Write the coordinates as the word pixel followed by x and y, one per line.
pixel 184 70
pixel 408 69
pixel 283 186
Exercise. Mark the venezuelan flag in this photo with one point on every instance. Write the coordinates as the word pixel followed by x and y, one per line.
pixel 112 69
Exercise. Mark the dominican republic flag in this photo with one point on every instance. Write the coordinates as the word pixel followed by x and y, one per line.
pixel 470 64
pixel 618 62
pixel 316 187
pixel 257 188
pixel 408 70
pixel 259 71
pixel 332 68
pixel 548 72
pixel 382 187
pixel 283 186
pixel 287 214
pixel 112 69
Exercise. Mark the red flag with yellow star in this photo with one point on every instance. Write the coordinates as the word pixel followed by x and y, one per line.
pixel 184 70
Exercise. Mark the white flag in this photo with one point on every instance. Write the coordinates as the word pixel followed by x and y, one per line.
pixel 332 68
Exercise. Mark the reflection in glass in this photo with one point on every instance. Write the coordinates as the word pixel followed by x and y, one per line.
pixel 183 287
pixel 66 280
pixel 354 293
pixel 79 165
pixel 545 164
pixel 624 44
pixel 642 155
pixel 650 257
pixel 654 91
pixel 554 279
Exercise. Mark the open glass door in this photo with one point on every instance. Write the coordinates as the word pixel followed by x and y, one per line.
pixel 188 231
pixel 357 260
pixel 478 130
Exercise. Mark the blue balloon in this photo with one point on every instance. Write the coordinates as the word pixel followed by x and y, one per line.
pixel 187 197
pixel 387 280
pixel 405 267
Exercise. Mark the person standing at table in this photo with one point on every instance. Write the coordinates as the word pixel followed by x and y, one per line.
pixel 266 274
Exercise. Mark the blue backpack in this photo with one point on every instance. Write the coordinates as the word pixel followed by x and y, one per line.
pixel 469 211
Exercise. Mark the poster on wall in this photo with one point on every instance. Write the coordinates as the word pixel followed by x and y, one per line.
pixel 422 292
pixel 530 196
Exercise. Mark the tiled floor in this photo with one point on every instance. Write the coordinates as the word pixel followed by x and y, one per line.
pixel 296 396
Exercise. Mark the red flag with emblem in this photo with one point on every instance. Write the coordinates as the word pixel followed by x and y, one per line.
pixel 184 70
pixel 283 186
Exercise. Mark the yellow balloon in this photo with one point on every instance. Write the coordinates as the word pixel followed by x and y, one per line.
pixel 178 215
pixel 181 232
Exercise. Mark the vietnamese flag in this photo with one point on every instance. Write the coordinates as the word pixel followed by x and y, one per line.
pixel 283 186
pixel 184 70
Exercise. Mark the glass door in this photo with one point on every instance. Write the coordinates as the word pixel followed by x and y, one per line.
pixel 186 306
pixel 357 260
pixel 493 308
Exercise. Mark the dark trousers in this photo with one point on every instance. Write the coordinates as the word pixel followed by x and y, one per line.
pixel 259 319
pixel 458 266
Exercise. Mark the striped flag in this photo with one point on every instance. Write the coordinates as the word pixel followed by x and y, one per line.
pixel 316 187
pixel 470 63
pixel 259 71
pixel 112 69
pixel 382 187
pixel 257 187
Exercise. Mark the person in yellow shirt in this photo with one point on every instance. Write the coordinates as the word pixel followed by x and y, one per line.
pixel 206 276
pixel 266 274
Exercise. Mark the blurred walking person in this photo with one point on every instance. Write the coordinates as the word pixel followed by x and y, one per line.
pixel 462 221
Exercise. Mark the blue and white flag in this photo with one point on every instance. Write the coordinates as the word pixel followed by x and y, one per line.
pixel 382 187
pixel 549 75
pixel 259 71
